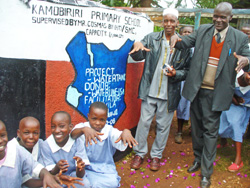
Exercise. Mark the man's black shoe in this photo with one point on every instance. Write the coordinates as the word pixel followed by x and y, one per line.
pixel 196 166
pixel 205 182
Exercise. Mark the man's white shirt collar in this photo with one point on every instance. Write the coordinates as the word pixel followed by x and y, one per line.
pixel 54 147
pixel 223 33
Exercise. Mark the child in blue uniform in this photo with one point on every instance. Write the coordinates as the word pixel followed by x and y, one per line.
pixel 61 152
pixel 28 137
pixel 233 123
pixel 102 170
pixel 17 165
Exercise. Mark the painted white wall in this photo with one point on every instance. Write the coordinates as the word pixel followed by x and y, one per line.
pixel 22 37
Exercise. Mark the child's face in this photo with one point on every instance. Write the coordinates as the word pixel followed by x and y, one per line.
pixel 97 118
pixel 28 132
pixel 3 140
pixel 187 31
pixel 60 128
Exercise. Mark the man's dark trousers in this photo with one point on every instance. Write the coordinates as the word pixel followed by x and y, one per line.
pixel 205 126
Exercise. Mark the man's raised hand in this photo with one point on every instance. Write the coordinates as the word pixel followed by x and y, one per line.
pixel 138 46
pixel 241 63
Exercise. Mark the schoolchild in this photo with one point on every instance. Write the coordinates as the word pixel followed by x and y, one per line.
pixel 61 153
pixel 17 165
pixel 102 170
pixel 233 123
pixel 28 137
pixel 183 109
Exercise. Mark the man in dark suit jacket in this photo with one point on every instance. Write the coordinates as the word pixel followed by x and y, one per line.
pixel 210 81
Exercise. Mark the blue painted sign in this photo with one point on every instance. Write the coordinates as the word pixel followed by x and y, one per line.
pixel 100 76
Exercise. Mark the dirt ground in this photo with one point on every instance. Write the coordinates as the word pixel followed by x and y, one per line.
pixel 173 172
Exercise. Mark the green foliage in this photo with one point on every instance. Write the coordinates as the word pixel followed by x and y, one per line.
pixel 186 20
pixel 139 3
pixel 113 3
pixel 129 3
pixel 206 20
pixel 142 169
pixel 213 3
pixel 158 28
pixel 178 4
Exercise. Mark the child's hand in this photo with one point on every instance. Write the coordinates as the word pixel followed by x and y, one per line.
pixel 79 163
pixel 127 137
pixel 51 181
pixel 237 100
pixel 68 180
pixel 91 134
pixel 62 165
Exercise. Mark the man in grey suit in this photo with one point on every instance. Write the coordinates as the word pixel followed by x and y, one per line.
pixel 210 82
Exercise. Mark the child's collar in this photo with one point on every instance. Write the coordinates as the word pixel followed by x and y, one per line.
pixel 10 160
pixel 35 151
pixel 54 147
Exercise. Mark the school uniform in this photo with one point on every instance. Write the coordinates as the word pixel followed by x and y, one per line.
pixel 183 109
pixel 36 154
pixel 52 153
pixel 17 167
pixel 233 122
pixel 36 151
pixel 102 170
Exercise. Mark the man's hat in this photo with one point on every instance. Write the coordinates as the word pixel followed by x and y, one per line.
pixel 172 11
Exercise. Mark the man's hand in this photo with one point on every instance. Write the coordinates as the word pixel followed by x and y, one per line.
pixel 79 163
pixel 68 180
pixel 173 40
pixel 127 137
pixel 138 46
pixel 91 134
pixel 171 72
pixel 241 63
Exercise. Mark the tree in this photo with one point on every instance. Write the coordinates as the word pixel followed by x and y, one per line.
pixel 130 3
pixel 178 4
pixel 213 3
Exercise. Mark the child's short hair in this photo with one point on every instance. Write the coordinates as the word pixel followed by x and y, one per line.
pixel 28 118
pixel 62 112
pixel 100 105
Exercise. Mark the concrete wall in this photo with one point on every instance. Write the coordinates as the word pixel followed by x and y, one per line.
pixel 64 57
